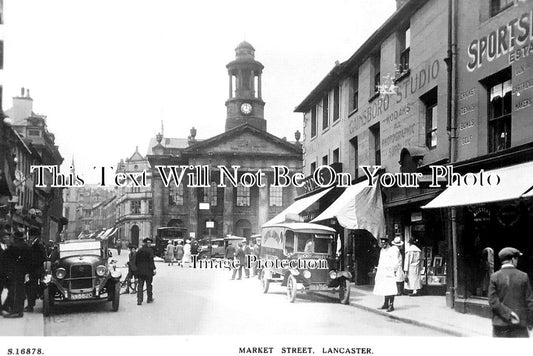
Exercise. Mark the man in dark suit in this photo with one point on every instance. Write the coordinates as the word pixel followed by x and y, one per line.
pixel 38 255
pixel 5 240
pixel 510 297
pixel 145 270
pixel 18 262
pixel 239 256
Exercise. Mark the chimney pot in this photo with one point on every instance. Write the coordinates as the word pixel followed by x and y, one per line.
pixel 22 91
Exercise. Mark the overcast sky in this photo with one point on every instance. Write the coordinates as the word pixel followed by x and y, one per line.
pixel 106 72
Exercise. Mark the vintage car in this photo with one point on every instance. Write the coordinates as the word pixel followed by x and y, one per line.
pixel 309 257
pixel 216 247
pixel 81 274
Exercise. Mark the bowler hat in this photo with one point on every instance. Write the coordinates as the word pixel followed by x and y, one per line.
pixel 507 253
pixel 148 240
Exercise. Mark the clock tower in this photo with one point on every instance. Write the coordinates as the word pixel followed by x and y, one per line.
pixel 245 105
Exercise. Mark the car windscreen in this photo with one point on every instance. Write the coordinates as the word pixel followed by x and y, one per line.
pixel 313 243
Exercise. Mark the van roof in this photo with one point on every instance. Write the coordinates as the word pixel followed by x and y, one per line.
pixel 302 226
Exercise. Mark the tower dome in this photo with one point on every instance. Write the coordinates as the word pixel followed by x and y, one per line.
pixel 245 50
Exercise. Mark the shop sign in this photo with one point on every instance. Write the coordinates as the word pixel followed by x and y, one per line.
pixel 416 216
pixel 512 39
pixel 481 215
pixel 508 215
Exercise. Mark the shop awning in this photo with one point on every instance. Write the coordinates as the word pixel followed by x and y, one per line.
pixel 358 207
pixel 297 207
pixel 515 182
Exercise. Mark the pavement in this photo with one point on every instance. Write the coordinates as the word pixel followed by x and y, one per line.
pixel 31 324
pixel 426 311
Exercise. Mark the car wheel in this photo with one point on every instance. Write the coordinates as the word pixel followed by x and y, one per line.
pixel 344 292
pixel 46 301
pixel 265 283
pixel 291 288
pixel 116 297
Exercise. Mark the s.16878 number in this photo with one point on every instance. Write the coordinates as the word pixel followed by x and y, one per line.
pixel 25 351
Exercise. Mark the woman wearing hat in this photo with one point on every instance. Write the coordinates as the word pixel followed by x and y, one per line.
pixel 385 282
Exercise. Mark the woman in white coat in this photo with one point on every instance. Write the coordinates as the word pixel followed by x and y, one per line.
pixel 186 254
pixel 385 282
pixel 412 267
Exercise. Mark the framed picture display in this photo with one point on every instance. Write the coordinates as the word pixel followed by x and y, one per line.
pixel 437 262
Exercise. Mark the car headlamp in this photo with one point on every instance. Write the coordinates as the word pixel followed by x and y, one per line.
pixel 307 274
pixel 60 273
pixel 332 274
pixel 295 272
pixel 101 270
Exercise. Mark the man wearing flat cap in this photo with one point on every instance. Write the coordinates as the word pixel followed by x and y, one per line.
pixel 144 264
pixel 510 297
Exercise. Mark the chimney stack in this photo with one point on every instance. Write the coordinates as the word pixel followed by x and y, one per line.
pixel 22 92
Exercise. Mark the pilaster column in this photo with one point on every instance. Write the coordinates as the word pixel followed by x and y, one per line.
pixel 230 85
pixel 259 86
pixel 227 220
pixel 262 207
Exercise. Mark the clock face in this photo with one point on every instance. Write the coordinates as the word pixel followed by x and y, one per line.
pixel 246 109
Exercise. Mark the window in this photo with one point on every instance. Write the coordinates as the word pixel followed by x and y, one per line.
pixel 289 241
pixel 34 133
pixel 276 196
pixel 313 121
pixel 405 44
pixel 355 91
pixel 150 206
pixel 376 63
pixel 500 105
pixel 313 168
pixel 335 156
pixel 243 196
pixel 355 147
pixel 135 207
pixel 176 195
pixel 336 103
pixel 430 102
pixel 210 195
pixel 375 142
pixel 325 160
pixel 325 112
pixel 497 6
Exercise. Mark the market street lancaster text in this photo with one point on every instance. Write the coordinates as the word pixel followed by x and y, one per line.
pixel 201 176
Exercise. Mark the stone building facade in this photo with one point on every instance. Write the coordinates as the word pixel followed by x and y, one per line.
pixel 226 210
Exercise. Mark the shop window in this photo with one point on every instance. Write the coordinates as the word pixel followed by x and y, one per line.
pixel 336 103
pixel 313 121
pixel 375 143
pixel 497 6
pixel 325 112
pixel 335 155
pixel 275 195
pixel 135 207
pixel 500 106
pixel 243 196
pixel 430 101
pixel 176 195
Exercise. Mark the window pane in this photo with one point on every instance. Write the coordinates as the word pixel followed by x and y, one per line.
pixel 276 196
